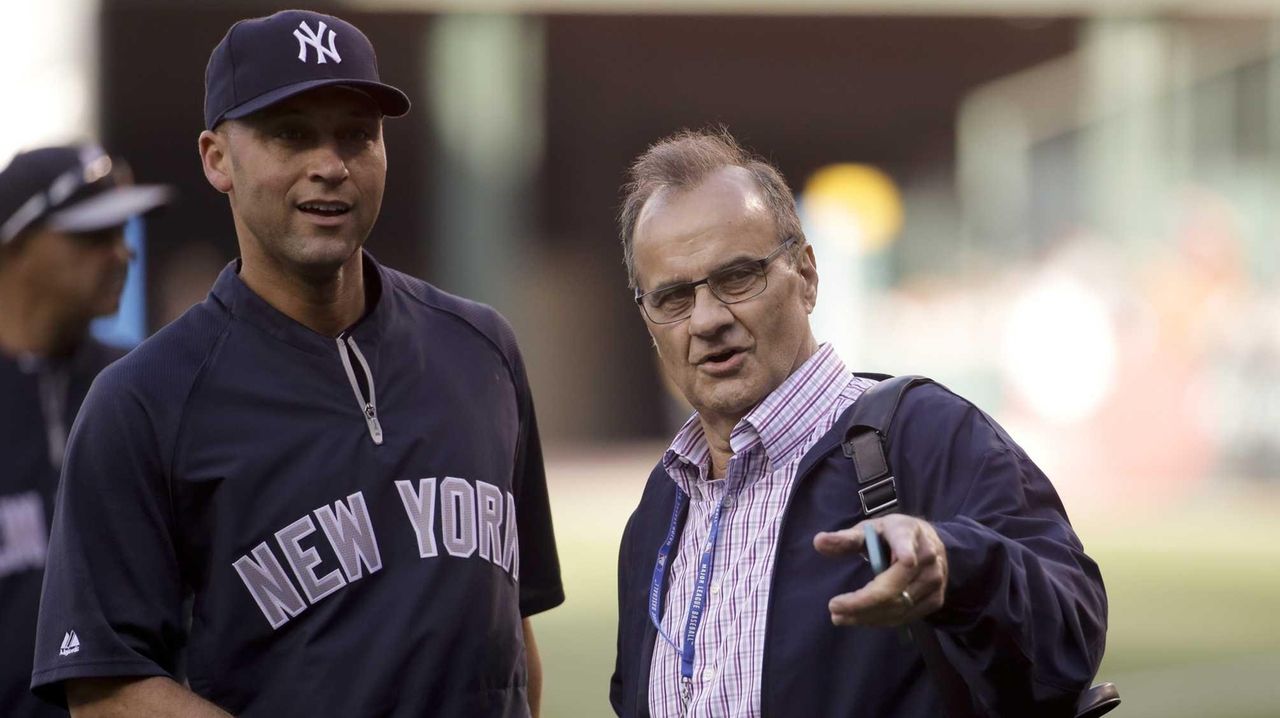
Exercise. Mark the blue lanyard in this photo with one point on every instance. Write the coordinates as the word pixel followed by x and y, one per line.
pixel 699 600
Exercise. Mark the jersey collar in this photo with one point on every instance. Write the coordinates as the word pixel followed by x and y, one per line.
pixel 245 305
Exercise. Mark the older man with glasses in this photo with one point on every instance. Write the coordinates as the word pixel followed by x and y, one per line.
pixel 743 551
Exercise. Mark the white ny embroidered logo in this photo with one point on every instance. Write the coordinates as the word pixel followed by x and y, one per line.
pixel 313 39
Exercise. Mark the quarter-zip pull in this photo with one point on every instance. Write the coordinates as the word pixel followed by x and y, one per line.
pixel 368 405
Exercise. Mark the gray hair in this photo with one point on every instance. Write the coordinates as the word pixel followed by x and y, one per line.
pixel 682 161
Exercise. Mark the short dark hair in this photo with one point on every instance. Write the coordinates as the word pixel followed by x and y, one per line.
pixel 682 161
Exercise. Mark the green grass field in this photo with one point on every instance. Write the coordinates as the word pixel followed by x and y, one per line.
pixel 1193 595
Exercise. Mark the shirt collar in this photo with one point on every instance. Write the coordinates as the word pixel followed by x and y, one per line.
pixel 782 423
pixel 245 305
pixel 688 459
pixel 786 419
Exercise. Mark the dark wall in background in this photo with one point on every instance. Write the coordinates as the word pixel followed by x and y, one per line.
pixel 804 91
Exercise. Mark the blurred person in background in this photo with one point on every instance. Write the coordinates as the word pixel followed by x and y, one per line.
pixel 307 486
pixel 63 262
pixel 744 549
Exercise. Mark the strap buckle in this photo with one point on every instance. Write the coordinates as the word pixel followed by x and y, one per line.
pixel 883 494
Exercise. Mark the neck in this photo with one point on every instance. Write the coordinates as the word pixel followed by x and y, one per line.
pixel 31 326
pixel 716 431
pixel 327 305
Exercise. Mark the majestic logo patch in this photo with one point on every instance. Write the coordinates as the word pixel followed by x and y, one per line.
pixel 70 644
pixel 308 38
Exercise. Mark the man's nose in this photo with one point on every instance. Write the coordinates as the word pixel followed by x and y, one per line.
pixel 328 165
pixel 710 315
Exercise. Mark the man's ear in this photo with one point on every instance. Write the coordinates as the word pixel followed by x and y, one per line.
pixel 807 266
pixel 215 160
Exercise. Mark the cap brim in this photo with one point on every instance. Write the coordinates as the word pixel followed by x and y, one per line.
pixel 391 101
pixel 109 209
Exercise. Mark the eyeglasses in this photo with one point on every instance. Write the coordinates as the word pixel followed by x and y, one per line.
pixel 731 285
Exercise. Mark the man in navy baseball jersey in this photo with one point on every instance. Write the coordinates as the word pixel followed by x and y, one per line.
pixel 743 551
pixel 320 492
pixel 63 261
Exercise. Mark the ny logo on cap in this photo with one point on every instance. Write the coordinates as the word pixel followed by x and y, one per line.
pixel 313 39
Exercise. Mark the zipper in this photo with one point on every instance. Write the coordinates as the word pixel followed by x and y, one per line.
pixel 368 405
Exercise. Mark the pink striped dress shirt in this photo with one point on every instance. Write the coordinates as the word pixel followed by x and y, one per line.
pixel 767 444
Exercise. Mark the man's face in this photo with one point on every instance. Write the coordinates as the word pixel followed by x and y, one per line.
pixel 79 276
pixel 725 358
pixel 305 177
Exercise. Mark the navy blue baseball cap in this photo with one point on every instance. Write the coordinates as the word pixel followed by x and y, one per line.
pixel 72 188
pixel 268 59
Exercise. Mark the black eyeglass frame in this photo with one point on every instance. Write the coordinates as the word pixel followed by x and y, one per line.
pixel 761 264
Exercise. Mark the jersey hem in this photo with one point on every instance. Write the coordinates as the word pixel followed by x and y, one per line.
pixel 47 684
pixel 541 602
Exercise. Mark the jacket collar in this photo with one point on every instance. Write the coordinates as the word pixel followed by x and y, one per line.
pixel 245 305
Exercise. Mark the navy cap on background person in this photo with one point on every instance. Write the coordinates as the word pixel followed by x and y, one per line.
pixel 262 61
pixel 72 188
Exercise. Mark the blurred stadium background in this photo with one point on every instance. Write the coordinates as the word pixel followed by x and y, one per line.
pixel 1067 210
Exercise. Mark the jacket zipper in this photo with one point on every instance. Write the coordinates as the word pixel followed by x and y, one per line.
pixel 368 405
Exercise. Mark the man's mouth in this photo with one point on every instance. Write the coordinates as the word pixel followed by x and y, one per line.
pixel 723 363
pixel 325 209
pixel 725 355
pixel 721 357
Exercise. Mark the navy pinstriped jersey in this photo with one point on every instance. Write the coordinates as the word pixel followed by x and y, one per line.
pixel 357 524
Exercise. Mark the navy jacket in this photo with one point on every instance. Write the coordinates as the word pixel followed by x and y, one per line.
pixel 329 567
pixel 1025 615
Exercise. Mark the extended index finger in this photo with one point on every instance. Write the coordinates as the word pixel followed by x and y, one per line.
pixel 842 542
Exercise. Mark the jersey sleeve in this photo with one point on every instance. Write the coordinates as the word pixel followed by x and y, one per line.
pixel 1026 612
pixel 540 585
pixel 538 562
pixel 111 604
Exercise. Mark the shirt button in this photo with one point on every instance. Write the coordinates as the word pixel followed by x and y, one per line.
pixel 708 674
pixel 715 587
pixel 728 500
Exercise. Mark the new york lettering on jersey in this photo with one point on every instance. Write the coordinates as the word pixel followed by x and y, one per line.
pixel 470 521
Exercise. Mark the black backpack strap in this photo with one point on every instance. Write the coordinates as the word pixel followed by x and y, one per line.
pixel 865 434
pixel 864 437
